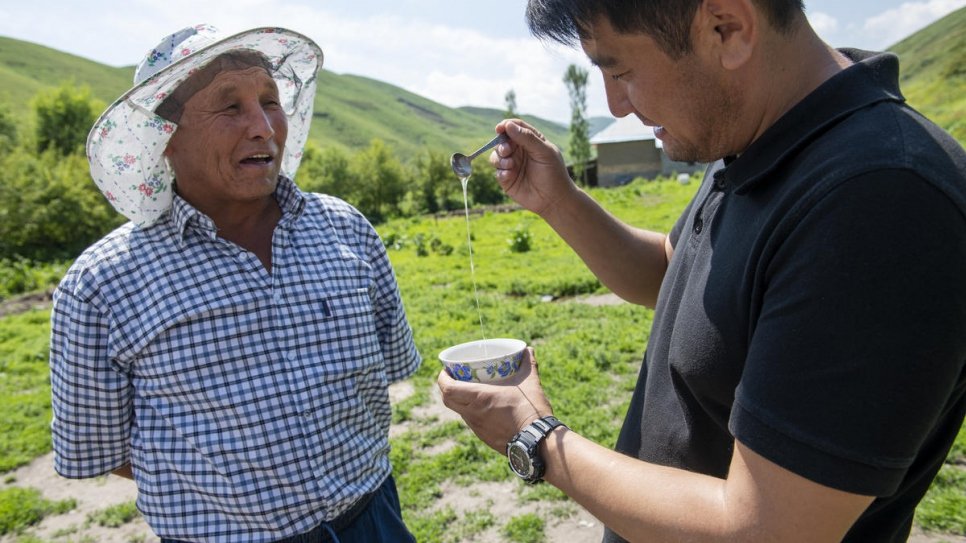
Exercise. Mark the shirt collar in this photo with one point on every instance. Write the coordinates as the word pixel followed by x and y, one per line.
pixel 873 78
pixel 184 216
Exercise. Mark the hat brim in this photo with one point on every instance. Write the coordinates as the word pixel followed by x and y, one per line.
pixel 126 145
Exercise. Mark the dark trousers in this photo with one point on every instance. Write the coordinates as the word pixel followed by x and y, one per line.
pixel 378 521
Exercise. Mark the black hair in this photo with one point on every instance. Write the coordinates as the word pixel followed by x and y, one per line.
pixel 668 22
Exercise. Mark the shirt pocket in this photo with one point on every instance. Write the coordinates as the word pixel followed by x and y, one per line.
pixel 343 342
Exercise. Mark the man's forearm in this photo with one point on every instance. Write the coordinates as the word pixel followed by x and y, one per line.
pixel 629 261
pixel 641 502
pixel 760 501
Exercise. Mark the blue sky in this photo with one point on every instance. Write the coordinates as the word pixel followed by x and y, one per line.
pixel 456 53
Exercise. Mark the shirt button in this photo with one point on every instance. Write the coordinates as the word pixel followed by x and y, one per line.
pixel 719 180
pixel 698 226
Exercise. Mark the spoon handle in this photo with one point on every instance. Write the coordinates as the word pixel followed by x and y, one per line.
pixel 493 143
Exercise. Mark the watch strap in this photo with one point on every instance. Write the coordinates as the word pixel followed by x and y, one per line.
pixel 536 432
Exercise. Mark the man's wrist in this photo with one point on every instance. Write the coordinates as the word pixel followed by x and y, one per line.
pixel 524 450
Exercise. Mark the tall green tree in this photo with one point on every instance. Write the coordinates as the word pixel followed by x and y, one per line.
pixel 439 189
pixel 326 170
pixel 64 117
pixel 381 181
pixel 579 144
pixel 511 104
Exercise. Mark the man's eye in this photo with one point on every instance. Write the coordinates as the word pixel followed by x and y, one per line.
pixel 617 77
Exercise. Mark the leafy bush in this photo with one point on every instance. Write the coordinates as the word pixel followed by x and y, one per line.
pixel 8 129
pixel 380 182
pixel 19 275
pixel 326 170
pixel 64 117
pixel 49 206
pixel 520 239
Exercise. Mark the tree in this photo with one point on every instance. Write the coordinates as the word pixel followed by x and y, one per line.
pixel 8 129
pixel 438 187
pixel 64 117
pixel 381 182
pixel 326 170
pixel 511 104
pixel 579 145
pixel 49 207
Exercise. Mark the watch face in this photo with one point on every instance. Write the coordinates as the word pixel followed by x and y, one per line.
pixel 519 460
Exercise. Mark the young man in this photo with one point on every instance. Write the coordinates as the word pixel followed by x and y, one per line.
pixel 804 378
pixel 230 348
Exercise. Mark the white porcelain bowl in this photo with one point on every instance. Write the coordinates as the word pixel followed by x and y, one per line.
pixel 484 361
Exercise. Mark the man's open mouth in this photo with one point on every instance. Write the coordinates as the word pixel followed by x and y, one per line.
pixel 258 159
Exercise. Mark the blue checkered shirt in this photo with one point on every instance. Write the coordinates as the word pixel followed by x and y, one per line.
pixel 251 405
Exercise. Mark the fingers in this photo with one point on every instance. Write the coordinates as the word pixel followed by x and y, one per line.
pixel 454 393
pixel 531 357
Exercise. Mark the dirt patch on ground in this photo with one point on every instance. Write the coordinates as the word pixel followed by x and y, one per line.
pixel 91 495
pixel 26 302
pixel 566 522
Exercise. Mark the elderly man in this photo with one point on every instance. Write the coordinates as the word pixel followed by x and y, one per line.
pixel 804 378
pixel 231 347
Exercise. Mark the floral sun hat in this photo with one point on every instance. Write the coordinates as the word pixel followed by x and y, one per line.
pixel 126 145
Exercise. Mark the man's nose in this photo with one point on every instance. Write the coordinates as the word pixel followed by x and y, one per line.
pixel 259 123
pixel 617 99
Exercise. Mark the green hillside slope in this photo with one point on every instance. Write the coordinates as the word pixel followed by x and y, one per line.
pixel 26 68
pixel 350 111
pixel 933 77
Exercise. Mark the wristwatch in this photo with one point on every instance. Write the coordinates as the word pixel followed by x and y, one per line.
pixel 521 451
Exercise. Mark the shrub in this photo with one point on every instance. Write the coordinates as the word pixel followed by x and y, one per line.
pixel 64 117
pixel 521 241
pixel 49 206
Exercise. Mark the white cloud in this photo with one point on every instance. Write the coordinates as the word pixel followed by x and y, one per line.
pixel 453 65
pixel 893 25
pixel 823 23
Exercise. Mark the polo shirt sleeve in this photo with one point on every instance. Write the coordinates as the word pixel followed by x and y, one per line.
pixel 92 401
pixel 395 334
pixel 860 343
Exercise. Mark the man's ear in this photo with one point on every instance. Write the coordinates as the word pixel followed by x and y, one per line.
pixel 728 29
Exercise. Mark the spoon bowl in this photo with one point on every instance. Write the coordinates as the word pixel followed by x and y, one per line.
pixel 461 163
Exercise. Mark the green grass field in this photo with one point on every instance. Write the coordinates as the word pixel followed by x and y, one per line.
pixel 589 360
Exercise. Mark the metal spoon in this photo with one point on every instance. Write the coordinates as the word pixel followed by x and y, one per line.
pixel 461 163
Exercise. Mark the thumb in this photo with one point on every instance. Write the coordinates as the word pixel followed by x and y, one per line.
pixel 455 394
pixel 521 133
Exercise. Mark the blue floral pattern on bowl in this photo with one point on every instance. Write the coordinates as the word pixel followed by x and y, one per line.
pixel 485 371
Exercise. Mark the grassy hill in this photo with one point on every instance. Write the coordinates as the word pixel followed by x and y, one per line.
pixel 350 111
pixel 933 77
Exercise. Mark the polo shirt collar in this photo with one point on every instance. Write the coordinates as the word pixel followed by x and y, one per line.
pixel 873 78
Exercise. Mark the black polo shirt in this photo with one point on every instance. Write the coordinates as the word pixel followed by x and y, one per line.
pixel 815 305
